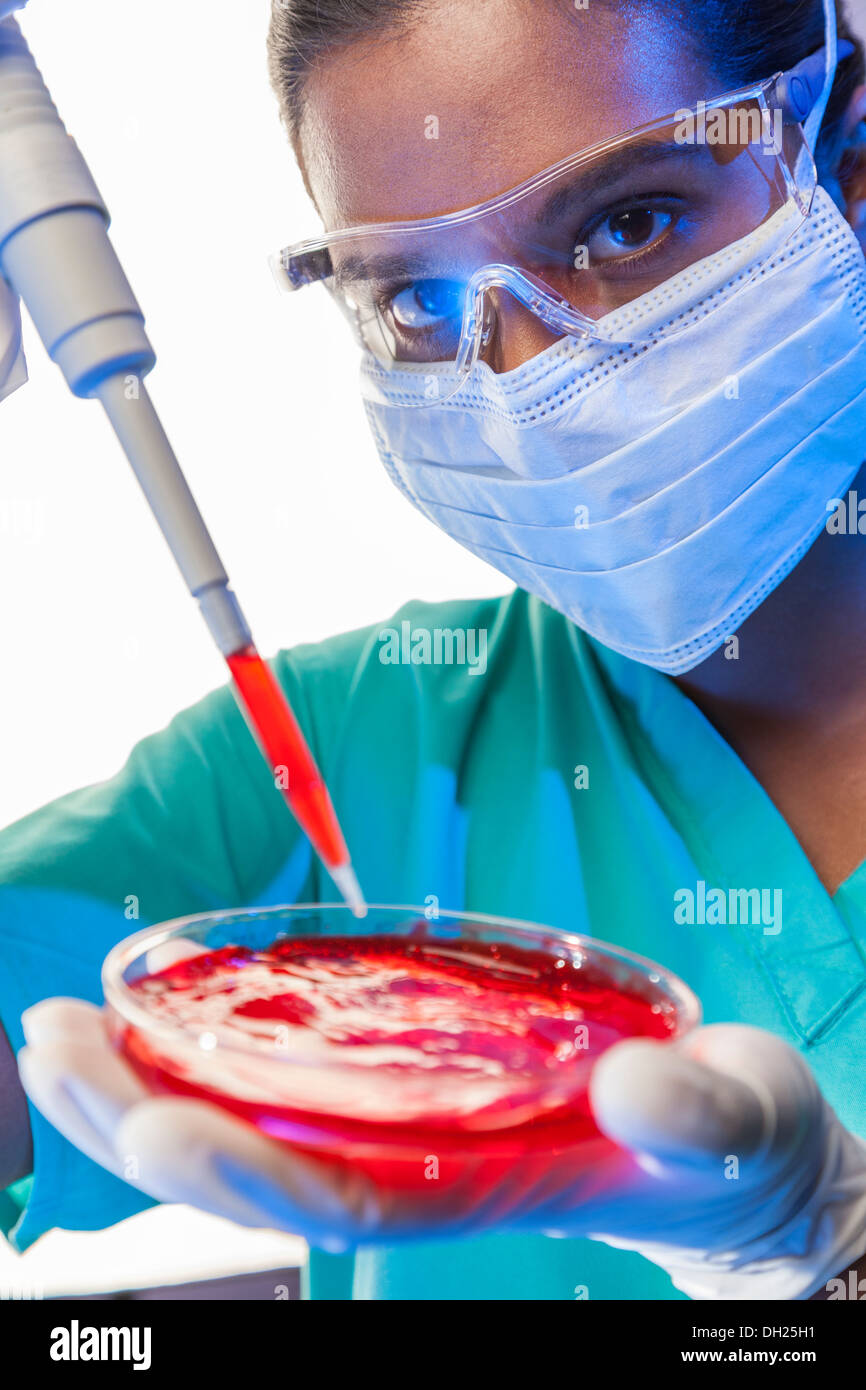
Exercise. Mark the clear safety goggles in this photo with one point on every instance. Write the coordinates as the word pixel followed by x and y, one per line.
pixel 574 244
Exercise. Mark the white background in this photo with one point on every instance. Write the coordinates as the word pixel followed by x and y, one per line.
pixel 101 645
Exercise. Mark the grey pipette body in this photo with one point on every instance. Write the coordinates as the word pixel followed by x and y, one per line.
pixel 56 254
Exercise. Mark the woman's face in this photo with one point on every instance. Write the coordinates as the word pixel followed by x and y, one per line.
pixel 505 88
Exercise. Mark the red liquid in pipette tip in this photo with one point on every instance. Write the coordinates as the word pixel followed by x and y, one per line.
pixel 474 1054
pixel 280 738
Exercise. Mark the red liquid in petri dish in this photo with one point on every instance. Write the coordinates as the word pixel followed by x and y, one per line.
pixel 457 1069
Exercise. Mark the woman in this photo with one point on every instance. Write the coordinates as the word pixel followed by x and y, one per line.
pixel 637 388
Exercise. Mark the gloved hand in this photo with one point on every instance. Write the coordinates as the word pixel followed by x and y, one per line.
pixel 13 368
pixel 736 1176
pixel 741 1182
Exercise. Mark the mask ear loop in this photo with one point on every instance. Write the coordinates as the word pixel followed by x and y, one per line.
pixel 812 125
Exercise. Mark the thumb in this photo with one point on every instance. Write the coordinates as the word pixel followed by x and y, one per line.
pixel 674 1104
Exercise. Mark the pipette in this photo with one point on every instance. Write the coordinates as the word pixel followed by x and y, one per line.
pixel 56 254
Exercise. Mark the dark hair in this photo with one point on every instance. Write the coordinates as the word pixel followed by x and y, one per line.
pixel 747 39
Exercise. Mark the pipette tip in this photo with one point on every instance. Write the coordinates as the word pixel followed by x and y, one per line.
pixel 347 881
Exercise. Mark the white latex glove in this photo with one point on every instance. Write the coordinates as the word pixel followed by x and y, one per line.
pixel 743 1184
pixel 13 368
pixel 793 1218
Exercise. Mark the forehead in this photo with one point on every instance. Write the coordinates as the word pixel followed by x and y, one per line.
pixel 478 95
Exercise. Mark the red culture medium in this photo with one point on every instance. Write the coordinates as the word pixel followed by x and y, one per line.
pixel 284 747
pixel 435 1066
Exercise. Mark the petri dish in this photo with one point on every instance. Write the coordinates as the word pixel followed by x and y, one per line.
pixel 443 1056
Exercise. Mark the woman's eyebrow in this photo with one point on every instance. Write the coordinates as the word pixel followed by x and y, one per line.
pixel 391 266
pixel 643 155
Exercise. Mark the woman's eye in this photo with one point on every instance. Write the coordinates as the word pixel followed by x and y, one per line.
pixel 427 303
pixel 623 233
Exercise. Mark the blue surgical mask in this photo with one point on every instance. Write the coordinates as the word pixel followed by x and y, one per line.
pixel 656 493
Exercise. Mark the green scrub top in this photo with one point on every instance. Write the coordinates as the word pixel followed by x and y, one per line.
pixel 544 778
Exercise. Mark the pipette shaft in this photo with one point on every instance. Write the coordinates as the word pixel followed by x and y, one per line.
pixel 56 254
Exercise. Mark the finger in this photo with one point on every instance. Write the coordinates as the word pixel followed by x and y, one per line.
pixel 656 1100
pixel 46 1086
pixel 775 1071
pixel 83 1088
pixel 68 1041
pixel 189 1151
pixel 57 1019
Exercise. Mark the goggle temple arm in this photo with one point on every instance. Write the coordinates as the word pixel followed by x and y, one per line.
pixel 293 272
